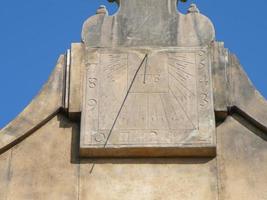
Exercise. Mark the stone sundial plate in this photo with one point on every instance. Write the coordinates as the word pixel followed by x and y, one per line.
pixel 163 107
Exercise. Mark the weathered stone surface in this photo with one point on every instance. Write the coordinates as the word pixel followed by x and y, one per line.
pixel 5 161
pixel 220 64
pixel 244 97
pixel 149 179
pixel 40 167
pixel 50 174
pixel 45 105
pixel 242 154
pixel 148 23
pixel 77 71
pixel 46 164
pixel 144 101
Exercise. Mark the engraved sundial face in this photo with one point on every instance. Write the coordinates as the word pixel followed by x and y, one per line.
pixel 154 100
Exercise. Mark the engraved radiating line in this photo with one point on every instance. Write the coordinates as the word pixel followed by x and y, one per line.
pixel 116 56
pixel 182 84
pixel 124 100
pixel 181 65
pixel 118 59
pixel 179 60
pixel 181 70
pixel 184 78
pixel 190 120
pixel 169 125
pixel 176 64
pixel 112 63
pixel 183 57
pixel 182 60
pixel 112 66
pixel 180 91
pixel 112 71
pixel 113 57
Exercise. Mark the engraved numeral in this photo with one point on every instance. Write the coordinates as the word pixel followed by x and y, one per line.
pixel 92 103
pixel 92 82
pixel 202 63
pixel 202 52
pixel 156 78
pixel 204 80
pixel 91 66
pixel 100 137
pixel 204 99
pixel 157 118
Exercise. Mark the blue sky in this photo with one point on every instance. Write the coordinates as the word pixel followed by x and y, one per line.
pixel 34 32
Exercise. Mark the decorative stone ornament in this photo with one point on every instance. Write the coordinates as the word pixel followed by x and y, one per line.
pixel 193 9
pixel 149 23
pixel 102 10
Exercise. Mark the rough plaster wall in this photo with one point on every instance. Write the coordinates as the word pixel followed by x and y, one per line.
pixel 149 179
pixel 242 156
pixel 41 167
pixel 4 173
pixel 44 166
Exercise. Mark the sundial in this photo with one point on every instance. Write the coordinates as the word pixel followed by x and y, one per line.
pixel 147 86
pixel 148 102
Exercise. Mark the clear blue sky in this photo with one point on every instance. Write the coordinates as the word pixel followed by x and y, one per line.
pixel 34 32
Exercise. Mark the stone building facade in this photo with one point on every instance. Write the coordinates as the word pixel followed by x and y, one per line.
pixel 148 106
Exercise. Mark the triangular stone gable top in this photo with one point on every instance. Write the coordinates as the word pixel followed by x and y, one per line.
pixel 149 44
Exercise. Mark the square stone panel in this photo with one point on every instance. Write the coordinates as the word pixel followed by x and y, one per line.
pixel 155 102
